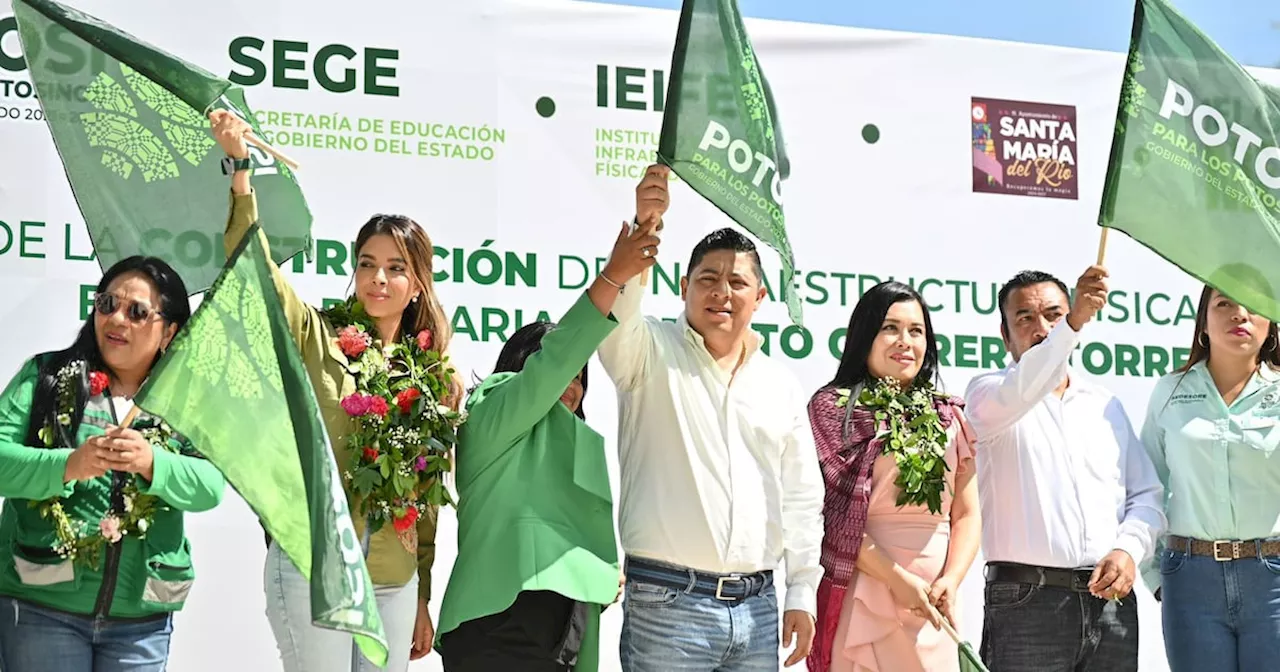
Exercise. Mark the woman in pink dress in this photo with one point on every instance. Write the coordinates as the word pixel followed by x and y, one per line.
pixel 901 507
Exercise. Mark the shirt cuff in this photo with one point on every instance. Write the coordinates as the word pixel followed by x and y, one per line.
pixel 424 586
pixel 161 466
pixel 1133 546
pixel 57 471
pixel 1149 570
pixel 802 597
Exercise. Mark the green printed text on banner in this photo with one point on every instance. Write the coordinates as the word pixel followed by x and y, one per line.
pixel 720 129
pixel 130 123
pixel 1195 165
pixel 233 382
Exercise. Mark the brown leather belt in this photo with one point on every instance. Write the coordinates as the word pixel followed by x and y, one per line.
pixel 1224 551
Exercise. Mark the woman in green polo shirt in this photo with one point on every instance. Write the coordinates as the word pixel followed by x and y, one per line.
pixel 537 555
pixel 1212 432
pixel 93 555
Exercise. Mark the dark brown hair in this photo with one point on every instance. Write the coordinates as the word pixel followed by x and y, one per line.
pixel 415 245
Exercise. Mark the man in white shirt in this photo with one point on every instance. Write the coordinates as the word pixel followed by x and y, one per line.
pixel 720 477
pixel 1070 501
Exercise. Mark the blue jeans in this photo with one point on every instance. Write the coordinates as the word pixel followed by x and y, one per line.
pixel 1220 615
pixel 668 630
pixel 38 639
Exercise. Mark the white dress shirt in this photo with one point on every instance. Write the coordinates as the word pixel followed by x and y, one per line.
pixel 719 471
pixel 1063 481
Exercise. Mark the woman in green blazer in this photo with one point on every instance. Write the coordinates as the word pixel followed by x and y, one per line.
pixel 537 555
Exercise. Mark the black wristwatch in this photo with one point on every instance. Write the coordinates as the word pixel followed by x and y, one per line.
pixel 231 165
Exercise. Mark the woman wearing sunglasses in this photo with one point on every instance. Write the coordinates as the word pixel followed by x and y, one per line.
pixel 393 287
pixel 93 556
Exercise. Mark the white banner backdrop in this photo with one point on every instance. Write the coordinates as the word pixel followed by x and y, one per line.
pixel 515 131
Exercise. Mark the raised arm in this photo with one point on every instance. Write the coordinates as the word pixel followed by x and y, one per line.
pixel 229 131
pixel 626 353
pixel 509 404
pixel 996 401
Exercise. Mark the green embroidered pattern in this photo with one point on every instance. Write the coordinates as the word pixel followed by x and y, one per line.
pixel 258 333
pixel 234 350
pixel 186 130
pixel 1132 93
pixel 117 163
pixel 753 91
pixel 129 141
pixel 109 96
pixel 133 141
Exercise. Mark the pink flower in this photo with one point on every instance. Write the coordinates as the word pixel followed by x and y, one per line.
pixel 110 528
pixel 420 464
pixel 352 341
pixel 378 406
pixel 424 339
pixel 357 404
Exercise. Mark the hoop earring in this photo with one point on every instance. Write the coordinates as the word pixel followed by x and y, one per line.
pixel 1203 339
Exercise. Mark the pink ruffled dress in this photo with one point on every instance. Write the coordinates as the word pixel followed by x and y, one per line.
pixel 874 633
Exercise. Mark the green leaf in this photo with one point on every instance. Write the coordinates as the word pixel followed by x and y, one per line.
pixel 365 480
pixel 384 465
pixel 403 484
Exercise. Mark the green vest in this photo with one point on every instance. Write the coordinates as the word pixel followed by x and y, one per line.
pixel 134 578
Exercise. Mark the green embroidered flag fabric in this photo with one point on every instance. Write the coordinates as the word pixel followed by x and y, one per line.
pixel 720 130
pixel 1195 164
pixel 130 123
pixel 234 383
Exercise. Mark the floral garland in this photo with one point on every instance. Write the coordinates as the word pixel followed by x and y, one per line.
pixel 76 540
pixel 400 446
pixel 911 432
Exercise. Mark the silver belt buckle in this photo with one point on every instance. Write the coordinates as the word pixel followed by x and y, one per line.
pixel 1234 553
pixel 720 587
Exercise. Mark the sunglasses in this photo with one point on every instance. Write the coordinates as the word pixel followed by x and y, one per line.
pixel 137 313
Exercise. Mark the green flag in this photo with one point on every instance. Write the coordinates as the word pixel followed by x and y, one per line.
pixel 131 125
pixel 969 660
pixel 233 382
pixel 720 130
pixel 1195 164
